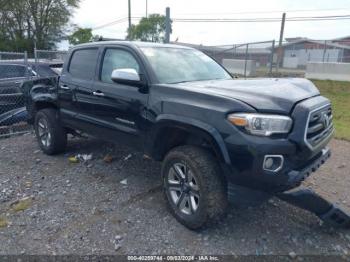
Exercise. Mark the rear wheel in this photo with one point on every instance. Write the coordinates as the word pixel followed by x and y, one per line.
pixel 193 186
pixel 51 136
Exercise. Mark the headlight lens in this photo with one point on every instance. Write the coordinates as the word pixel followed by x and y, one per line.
pixel 261 124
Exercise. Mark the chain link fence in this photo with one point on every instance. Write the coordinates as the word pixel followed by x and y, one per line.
pixel 243 60
pixel 49 55
pixel 291 59
pixel 14 70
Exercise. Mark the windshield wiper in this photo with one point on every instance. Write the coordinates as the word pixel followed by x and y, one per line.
pixel 198 80
pixel 182 82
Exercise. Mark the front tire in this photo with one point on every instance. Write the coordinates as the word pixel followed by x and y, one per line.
pixel 51 136
pixel 193 185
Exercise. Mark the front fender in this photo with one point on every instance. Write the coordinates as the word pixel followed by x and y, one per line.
pixel 170 120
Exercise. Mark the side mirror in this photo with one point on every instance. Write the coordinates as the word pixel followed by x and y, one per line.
pixel 127 76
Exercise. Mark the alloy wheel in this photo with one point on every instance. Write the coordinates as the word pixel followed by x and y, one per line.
pixel 44 132
pixel 183 188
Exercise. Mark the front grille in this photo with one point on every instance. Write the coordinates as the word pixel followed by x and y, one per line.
pixel 319 126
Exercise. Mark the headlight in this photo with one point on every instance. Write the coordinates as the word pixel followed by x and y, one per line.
pixel 261 124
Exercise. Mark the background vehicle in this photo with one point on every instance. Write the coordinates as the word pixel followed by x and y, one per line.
pixel 216 136
pixel 12 74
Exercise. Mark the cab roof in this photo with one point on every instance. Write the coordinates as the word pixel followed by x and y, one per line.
pixel 130 44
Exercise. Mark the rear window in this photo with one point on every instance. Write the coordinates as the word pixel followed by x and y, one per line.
pixel 12 71
pixel 83 62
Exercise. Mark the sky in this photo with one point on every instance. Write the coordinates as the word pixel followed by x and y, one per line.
pixel 94 13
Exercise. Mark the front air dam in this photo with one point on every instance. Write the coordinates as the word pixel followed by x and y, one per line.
pixel 310 201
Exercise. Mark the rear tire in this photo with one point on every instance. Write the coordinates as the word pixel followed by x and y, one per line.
pixel 194 188
pixel 51 136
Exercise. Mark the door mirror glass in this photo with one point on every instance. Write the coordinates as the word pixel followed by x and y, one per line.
pixel 126 76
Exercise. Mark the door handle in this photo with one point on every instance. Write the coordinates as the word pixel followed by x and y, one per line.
pixel 65 87
pixel 98 93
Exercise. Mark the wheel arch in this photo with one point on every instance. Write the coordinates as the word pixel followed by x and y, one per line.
pixel 38 103
pixel 171 131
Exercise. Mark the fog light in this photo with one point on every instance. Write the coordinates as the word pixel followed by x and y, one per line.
pixel 273 163
pixel 268 163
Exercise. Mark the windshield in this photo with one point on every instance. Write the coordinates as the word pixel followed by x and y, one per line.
pixel 175 65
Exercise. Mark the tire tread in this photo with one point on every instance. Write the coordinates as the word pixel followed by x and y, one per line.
pixel 215 187
pixel 59 135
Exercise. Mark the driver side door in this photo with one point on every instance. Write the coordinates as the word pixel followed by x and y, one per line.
pixel 118 107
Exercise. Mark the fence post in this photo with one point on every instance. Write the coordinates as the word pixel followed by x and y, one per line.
pixel 271 56
pixel 324 50
pixel 35 56
pixel 246 61
pixel 25 55
pixel 341 56
pixel 167 25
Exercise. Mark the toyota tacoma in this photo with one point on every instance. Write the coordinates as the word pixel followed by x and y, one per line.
pixel 219 139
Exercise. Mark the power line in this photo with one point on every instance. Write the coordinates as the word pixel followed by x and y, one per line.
pixel 238 20
pixel 110 23
pixel 271 12
pixel 254 21
pixel 265 19
pixel 118 21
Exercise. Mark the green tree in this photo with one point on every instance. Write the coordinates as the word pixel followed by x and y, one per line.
pixel 25 22
pixel 81 35
pixel 149 29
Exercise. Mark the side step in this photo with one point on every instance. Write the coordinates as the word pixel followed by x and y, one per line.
pixel 310 201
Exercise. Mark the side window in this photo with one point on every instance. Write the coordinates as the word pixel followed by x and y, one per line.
pixel 12 71
pixel 83 62
pixel 116 59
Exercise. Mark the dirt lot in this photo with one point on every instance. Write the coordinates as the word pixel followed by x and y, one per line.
pixel 89 207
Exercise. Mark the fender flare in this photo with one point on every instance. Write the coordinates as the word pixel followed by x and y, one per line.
pixel 44 98
pixel 37 96
pixel 165 120
pixel 34 98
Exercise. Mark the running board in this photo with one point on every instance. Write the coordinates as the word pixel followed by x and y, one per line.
pixel 310 201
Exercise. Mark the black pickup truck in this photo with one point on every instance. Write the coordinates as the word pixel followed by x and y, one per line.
pixel 220 139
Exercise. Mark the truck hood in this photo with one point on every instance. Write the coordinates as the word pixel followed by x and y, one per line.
pixel 265 95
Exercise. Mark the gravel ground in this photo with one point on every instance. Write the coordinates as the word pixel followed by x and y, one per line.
pixel 51 206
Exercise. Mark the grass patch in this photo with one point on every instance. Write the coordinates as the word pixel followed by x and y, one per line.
pixel 339 93
pixel 3 222
pixel 22 204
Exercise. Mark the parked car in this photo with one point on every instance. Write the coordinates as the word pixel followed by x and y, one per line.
pixel 12 74
pixel 217 137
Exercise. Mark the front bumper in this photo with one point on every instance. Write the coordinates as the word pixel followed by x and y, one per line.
pixel 296 177
pixel 246 168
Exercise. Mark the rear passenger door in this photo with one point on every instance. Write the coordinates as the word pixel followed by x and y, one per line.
pixel 75 93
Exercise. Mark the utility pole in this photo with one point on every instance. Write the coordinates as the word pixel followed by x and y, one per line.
pixel 167 25
pixel 146 8
pixel 129 16
pixel 279 53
